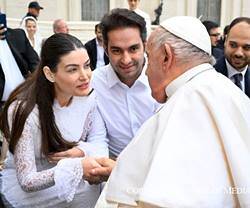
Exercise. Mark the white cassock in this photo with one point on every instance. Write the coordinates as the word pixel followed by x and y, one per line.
pixel 194 152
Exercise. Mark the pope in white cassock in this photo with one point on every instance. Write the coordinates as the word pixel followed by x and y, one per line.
pixel 194 152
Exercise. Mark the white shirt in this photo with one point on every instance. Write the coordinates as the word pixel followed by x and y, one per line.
pixel 194 152
pixel 100 55
pixel 12 74
pixel 123 109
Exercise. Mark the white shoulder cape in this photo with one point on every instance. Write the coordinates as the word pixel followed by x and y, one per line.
pixel 193 153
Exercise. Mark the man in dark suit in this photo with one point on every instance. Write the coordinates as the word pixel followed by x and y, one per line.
pixel 236 60
pixel 22 52
pixel 96 51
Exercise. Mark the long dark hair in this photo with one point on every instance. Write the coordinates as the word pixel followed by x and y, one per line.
pixel 37 90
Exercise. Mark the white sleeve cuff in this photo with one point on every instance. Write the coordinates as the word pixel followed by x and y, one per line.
pixel 68 174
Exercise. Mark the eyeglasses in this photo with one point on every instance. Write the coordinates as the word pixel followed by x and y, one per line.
pixel 215 34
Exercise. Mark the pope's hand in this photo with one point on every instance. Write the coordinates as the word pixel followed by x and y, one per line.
pixel 105 170
pixel 89 164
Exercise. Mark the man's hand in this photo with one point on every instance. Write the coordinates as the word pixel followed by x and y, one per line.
pixel 105 170
pixel 71 153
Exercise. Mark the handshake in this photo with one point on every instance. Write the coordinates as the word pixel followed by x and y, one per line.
pixel 97 170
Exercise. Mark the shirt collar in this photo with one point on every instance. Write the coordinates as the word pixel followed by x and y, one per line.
pixel 185 77
pixel 97 43
pixel 113 79
pixel 232 71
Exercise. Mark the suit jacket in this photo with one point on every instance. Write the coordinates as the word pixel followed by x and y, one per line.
pixel 25 56
pixel 92 51
pixel 221 67
pixel 217 52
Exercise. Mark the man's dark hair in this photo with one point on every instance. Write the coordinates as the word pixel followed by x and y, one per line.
pixel 122 18
pixel 97 26
pixel 210 25
pixel 225 30
pixel 238 20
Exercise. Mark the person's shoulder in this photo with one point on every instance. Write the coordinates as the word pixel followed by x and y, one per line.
pixel 217 52
pixel 220 64
pixel 16 31
pixel 90 42
pixel 33 116
pixel 101 71
pixel 17 36
pixel 100 75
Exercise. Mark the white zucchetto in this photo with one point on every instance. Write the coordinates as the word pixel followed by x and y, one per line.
pixel 189 29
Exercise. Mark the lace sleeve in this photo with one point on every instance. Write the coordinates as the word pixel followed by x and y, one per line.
pixel 30 180
pixel 65 176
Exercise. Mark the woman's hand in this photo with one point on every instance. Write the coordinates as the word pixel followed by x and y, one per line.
pixel 71 153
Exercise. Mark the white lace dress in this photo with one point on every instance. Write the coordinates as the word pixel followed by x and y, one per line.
pixel 28 180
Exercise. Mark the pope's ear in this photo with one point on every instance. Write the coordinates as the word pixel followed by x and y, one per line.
pixel 48 74
pixel 168 56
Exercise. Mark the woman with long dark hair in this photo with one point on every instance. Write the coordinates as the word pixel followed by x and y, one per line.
pixel 52 125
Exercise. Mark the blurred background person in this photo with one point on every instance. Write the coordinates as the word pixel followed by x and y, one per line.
pixel 134 6
pixel 213 31
pixel 30 26
pixel 95 49
pixel 214 34
pixel 34 9
pixel 235 62
pixel 18 59
pixel 221 42
pixel 60 26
